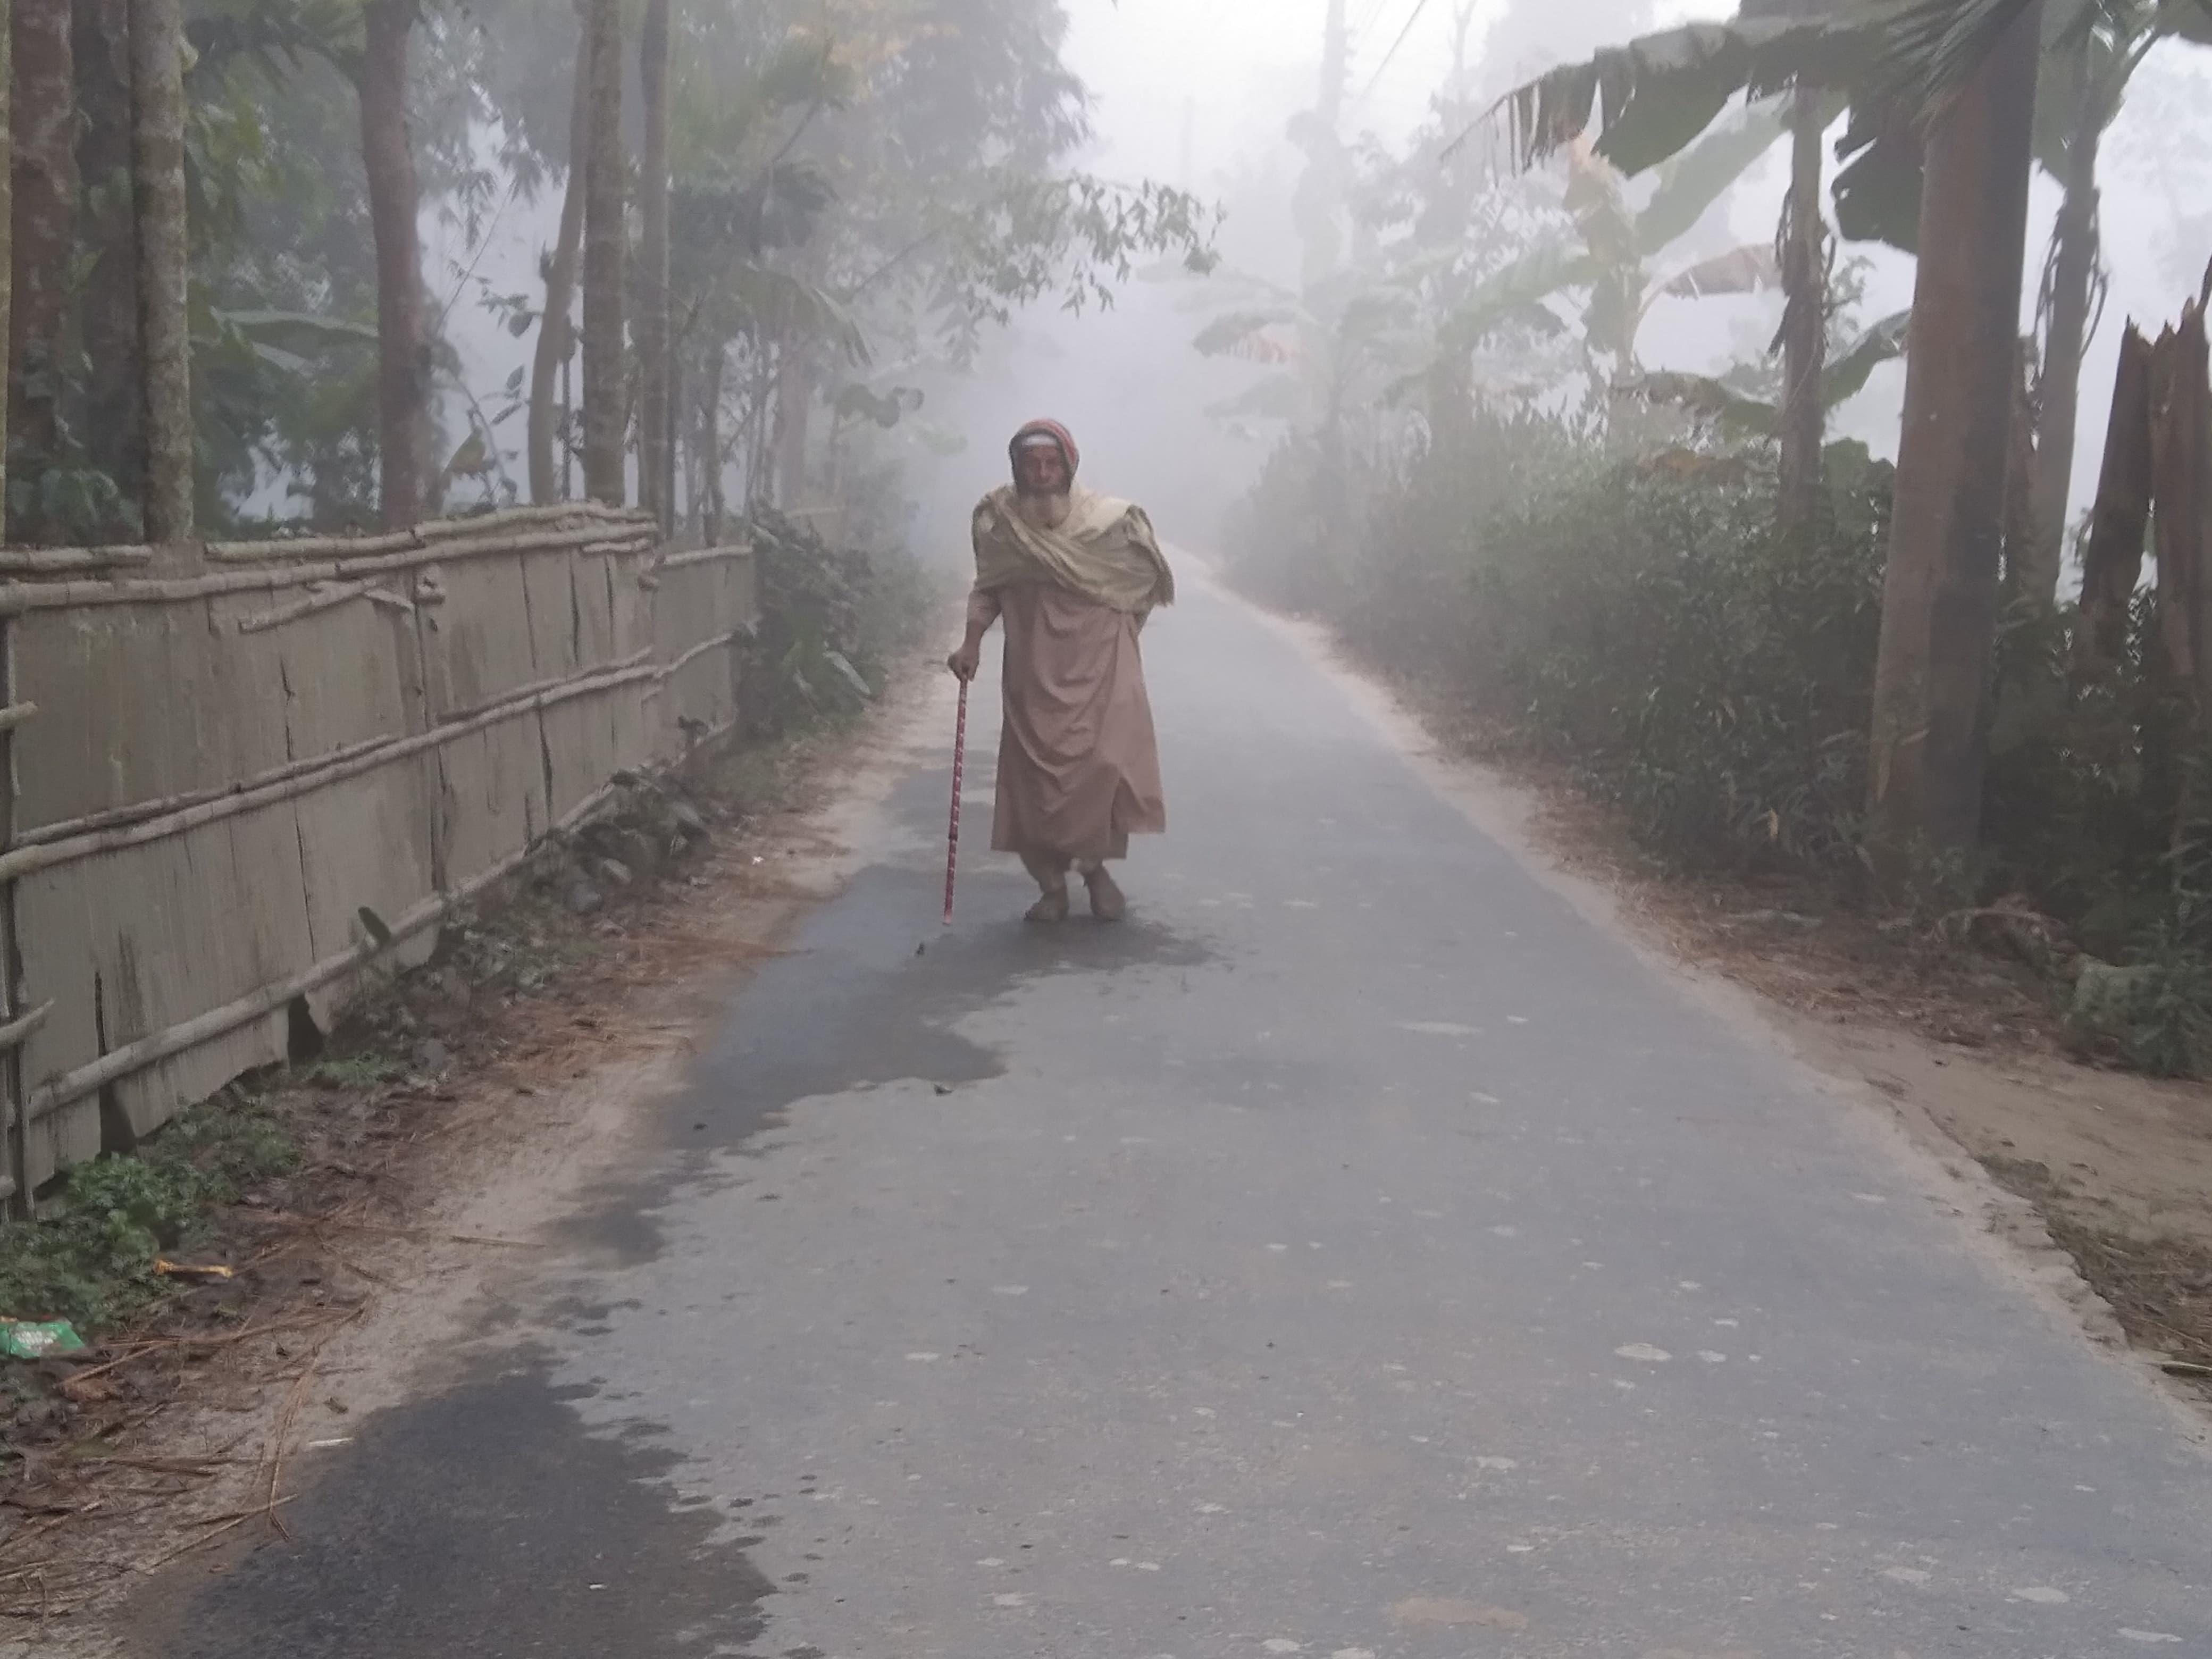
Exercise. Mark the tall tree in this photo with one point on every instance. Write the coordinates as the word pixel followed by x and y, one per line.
pixel 654 345
pixel 1318 196
pixel 1805 313
pixel 114 421
pixel 1940 590
pixel 556 332
pixel 157 99
pixel 605 250
pixel 43 122
pixel 402 376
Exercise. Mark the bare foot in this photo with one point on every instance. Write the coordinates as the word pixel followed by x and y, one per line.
pixel 1106 901
pixel 1052 907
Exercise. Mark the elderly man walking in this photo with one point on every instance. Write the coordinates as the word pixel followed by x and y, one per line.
pixel 1074 574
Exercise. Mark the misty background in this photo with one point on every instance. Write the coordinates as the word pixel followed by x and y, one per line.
pixel 1203 96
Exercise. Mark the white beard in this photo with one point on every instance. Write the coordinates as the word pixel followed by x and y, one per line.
pixel 1043 512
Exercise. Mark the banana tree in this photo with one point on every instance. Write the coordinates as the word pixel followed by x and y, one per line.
pixel 2079 97
pixel 1731 409
pixel 1384 325
pixel 1943 89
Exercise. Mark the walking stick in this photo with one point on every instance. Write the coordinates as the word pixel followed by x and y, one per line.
pixel 952 835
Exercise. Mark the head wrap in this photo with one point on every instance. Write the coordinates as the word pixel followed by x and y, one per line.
pixel 1043 432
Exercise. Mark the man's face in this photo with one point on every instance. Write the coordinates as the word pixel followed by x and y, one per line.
pixel 1044 469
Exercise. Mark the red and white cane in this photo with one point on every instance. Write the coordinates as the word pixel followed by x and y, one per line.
pixel 952 835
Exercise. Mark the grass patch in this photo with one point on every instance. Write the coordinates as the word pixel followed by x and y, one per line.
pixel 90 1259
pixel 353 1071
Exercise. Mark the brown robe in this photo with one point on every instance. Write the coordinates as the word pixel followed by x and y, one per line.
pixel 1078 767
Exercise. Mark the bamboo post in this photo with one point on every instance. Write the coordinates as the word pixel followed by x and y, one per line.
pixel 14 1114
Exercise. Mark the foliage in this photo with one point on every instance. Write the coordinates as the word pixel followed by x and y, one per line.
pixel 1718 399
pixel 92 1260
pixel 1640 618
pixel 834 620
pixel 364 1070
pixel 2153 1012
pixel 852 181
pixel 1901 62
pixel 1629 609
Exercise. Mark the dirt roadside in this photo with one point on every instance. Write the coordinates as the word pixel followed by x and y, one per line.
pixel 2099 1181
pixel 365 1308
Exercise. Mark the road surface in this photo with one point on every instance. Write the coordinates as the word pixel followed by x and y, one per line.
pixel 1358 1252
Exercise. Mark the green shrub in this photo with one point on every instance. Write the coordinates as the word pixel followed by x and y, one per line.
pixel 1640 618
pixel 832 620
pixel 91 1260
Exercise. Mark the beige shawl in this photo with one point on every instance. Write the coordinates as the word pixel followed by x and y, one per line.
pixel 1105 550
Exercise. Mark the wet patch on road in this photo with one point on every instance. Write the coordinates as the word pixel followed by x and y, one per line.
pixel 870 993
pixel 486 1520
pixel 862 1001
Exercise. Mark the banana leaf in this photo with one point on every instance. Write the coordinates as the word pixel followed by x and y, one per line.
pixel 1745 269
pixel 1706 398
pixel 1709 399
pixel 1846 372
pixel 1653 97
pixel 298 333
pixel 1691 182
pixel 1235 334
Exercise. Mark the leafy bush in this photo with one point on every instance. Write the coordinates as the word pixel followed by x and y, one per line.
pixel 2154 1013
pixel 1640 618
pixel 832 619
pixel 1707 673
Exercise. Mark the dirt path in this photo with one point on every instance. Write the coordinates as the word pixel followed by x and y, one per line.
pixel 549 1092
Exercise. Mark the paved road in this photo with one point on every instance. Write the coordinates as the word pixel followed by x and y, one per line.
pixel 1356 1253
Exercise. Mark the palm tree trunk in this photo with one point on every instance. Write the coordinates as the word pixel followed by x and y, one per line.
pixel 654 486
pixel 557 334
pixel 114 427
pixel 2073 268
pixel 1940 590
pixel 403 379
pixel 1804 318
pixel 605 238
pixel 157 97
pixel 43 120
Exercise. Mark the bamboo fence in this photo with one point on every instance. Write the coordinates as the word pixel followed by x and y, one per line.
pixel 236 778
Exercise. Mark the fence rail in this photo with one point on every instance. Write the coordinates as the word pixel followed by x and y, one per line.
pixel 234 778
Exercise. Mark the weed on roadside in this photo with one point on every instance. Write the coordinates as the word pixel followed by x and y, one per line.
pixel 90 1258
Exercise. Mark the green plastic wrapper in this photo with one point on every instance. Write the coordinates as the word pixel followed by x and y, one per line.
pixel 21 1339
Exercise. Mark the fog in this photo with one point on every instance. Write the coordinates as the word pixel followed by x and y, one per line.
pixel 1203 98
pixel 1202 95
